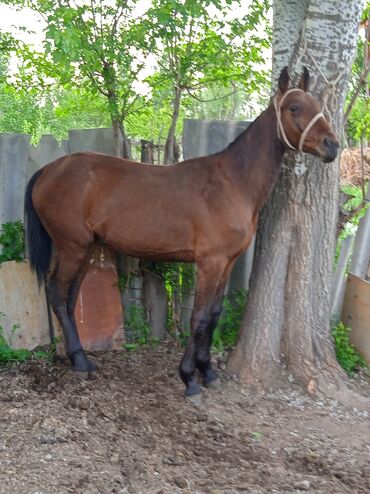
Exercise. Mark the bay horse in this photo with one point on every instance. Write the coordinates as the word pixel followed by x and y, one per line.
pixel 203 210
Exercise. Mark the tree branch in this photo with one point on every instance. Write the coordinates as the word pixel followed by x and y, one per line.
pixel 361 84
pixel 213 99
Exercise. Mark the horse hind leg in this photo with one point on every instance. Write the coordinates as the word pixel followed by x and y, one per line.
pixel 73 291
pixel 62 289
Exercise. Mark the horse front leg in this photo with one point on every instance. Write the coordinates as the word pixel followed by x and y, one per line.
pixel 204 317
pixel 203 346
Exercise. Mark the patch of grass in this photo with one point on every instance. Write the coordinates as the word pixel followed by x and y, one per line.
pixel 9 355
pixel 347 354
pixel 184 338
pixel 226 333
pixel 137 330
pixel 257 436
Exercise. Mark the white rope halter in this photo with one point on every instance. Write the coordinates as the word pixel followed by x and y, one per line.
pixel 280 128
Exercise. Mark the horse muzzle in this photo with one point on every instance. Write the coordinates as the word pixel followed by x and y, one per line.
pixel 329 149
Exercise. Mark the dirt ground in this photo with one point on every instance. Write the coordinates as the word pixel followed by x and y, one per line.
pixel 130 430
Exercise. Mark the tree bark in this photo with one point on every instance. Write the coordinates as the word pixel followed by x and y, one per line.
pixel 117 143
pixel 126 145
pixel 169 149
pixel 287 319
pixel 121 144
pixel 155 294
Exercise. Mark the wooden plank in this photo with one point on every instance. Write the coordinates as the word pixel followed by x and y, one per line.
pixel 356 313
pixel 98 310
pixel 22 306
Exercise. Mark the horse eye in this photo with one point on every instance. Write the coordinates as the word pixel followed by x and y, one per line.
pixel 294 108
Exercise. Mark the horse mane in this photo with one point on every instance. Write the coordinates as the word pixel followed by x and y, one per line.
pixel 242 134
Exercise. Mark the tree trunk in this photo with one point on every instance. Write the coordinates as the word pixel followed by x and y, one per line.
pixel 155 294
pixel 117 139
pixel 127 267
pixel 147 152
pixel 126 145
pixel 287 320
pixel 121 144
pixel 155 300
pixel 169 148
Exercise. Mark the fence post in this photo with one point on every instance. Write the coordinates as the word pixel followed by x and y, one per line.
pixel 13 171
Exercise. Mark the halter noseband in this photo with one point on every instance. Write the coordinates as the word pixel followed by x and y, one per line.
pixel 280 128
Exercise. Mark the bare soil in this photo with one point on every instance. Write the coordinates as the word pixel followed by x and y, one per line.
pixel 130 430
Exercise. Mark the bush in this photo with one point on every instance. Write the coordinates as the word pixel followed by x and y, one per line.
pixel 347 354
pixel 9 355
pixel 227 330
pixel 12 242
pixel 137 330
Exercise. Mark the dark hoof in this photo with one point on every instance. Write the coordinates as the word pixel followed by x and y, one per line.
pixel 92 367
pixel 210 379
pixel 82 365
pixel 81 374
pixel 192 389
pixel 195 400
pixel 215 384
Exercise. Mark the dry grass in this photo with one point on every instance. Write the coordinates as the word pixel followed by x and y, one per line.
pixel 351 168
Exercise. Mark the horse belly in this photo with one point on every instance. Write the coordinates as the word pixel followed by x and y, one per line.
pixel 148 238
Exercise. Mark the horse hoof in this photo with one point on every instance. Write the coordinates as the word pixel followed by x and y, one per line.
pixel 83 375
pixel 192 389
pixel 82 364
pixel 195 400
pixel 93 372
pixel 211 379
pixel 92 367
pixel 215 384
pixel 85 370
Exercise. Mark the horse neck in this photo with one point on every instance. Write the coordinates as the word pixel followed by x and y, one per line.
pixel 256 157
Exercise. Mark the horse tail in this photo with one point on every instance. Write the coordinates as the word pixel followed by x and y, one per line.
pixel 38 240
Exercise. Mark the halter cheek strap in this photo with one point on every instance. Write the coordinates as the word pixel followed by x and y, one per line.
pixel 280 128
pixel 309 126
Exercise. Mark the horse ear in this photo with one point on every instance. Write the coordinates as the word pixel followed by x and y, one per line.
pixel 284 80
pixel 304 81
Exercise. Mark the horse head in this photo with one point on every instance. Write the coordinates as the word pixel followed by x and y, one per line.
pixel 301 124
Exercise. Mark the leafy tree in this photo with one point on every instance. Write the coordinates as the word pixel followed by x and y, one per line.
pixel 358 100
pixel 225 103
pixel 95 45
pixel 75 108
pixel 103 47
pixel 54 112
pixel 196 46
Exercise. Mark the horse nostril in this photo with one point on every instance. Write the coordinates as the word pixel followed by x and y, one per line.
pixel 327 143
pixel 330 145
pixel 331 148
